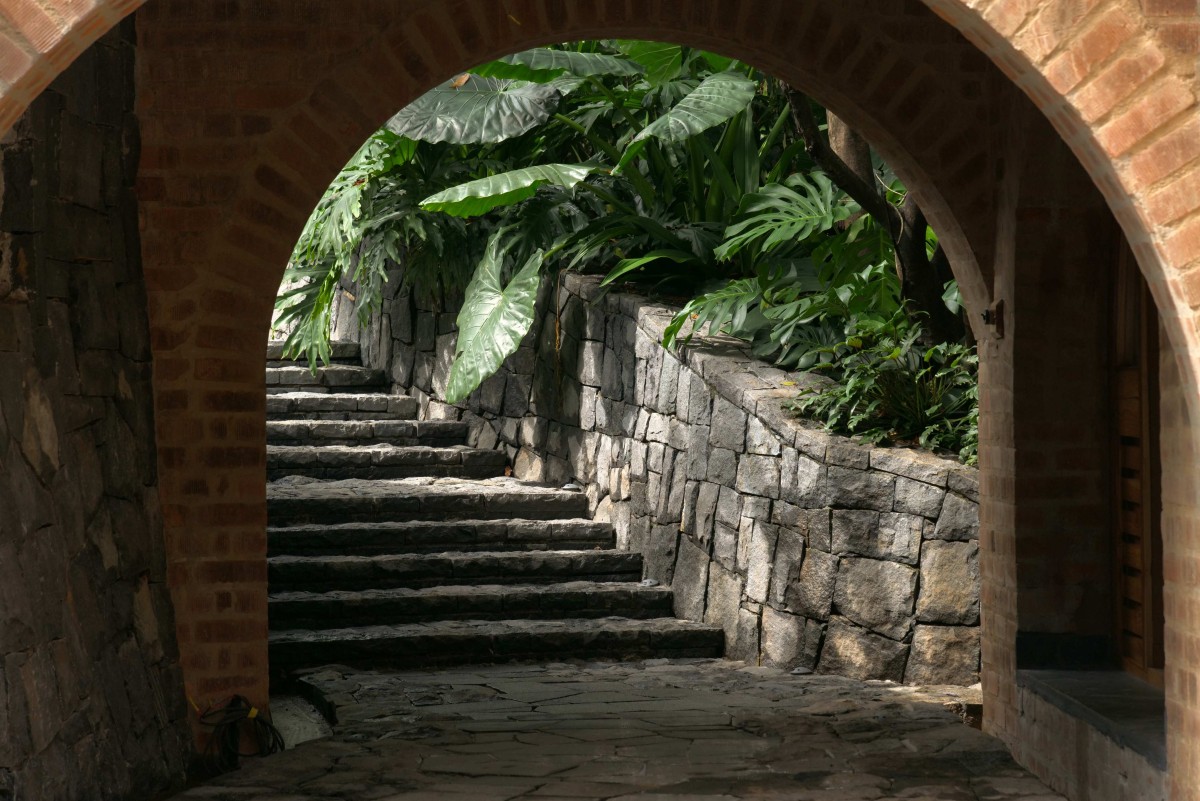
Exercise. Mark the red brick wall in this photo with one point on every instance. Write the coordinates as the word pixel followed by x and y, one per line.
pixel 1181 568
pixel 249 106
pixel 1065 249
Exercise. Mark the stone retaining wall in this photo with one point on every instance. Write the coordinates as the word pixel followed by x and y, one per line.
pixel 810 550
pixel 92 704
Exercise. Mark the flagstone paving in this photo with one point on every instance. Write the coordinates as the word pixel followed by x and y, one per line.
pixel 658 730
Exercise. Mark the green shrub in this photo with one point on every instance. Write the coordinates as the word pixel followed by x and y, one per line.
pixel 888 388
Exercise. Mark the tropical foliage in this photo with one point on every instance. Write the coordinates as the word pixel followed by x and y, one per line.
pixel 678 168
pixel 890 387
pixel 628 153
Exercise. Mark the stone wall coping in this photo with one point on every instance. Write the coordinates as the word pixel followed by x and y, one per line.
pixel 759 389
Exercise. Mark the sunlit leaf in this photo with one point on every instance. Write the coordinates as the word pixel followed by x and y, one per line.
pixel 481 196
pixel 718 99
pixel 484 110
pixel 569 61
pixel 509 71
pixel 493 320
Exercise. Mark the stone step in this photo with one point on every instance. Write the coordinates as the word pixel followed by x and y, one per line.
pixel 382 461
pixel 323 573
pixel 298 500
pixel 480 642
pixel 339 352
pixel 340 406
pixel 334 378
pixel 366 432
pixel 424 536
pixel 577 599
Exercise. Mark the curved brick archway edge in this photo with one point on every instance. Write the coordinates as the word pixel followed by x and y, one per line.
pixel 1116 79
pixel 247 108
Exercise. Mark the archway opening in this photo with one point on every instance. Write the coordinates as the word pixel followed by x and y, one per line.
pixel 700 176
pixel 237 150
pixel 1021 167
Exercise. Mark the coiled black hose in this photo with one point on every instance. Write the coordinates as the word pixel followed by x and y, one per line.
pixel 228 723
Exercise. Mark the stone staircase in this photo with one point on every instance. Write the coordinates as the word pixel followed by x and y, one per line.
pixel 392 543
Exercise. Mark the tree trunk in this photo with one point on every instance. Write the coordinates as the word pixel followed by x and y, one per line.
pixel 851 148
pixel 846 158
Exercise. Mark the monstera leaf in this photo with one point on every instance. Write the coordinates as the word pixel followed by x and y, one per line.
pixel 493 321
pixel 717 100
pixel 782 213
pixel 477 110
pixel 481 196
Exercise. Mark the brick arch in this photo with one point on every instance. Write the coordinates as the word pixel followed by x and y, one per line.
pixel 1118 81
pixel 239 146
pixel 247 110
pixel 1071 58
pixel 40 40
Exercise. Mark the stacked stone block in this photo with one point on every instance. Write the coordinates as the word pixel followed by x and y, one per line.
pixel 810 550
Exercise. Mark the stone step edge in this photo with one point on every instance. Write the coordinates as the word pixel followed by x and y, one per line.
pixel 334 368
pixel 472 556
pixel 339 455
pixel 336 361
pixel 439 536
pixel 387 406
pixel 434 500
pixel 591 599
pixel 363 432
pixel 320 425
pixel 410 524
pixel 338 376
pixel 309 395
pixel 547 512
pixel 385 489
pixel 315 501
pixel 384 571
pixel 384 471
pixel 383 461
pixel 473 629
pixel 482 642
pixel 471 590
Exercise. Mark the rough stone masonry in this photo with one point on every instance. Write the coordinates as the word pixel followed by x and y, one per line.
pixel 810 550
pixel 91 696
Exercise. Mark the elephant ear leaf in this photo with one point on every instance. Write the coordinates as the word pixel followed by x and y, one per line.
pixel 477 110
pixel 481 196
pixel 493 321
pixel 583 65
pixel 546 65
pixel 663 62
pixel 717 100
pixel 506 69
